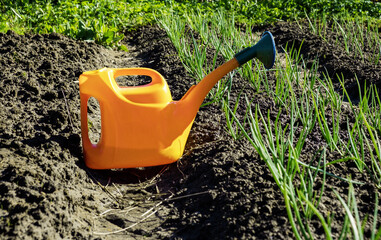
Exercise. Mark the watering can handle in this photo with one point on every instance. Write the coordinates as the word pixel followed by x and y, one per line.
pixel 156 77
pixel 157 91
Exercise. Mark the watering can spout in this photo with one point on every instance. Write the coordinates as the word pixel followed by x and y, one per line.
pixel 264 51
pixel 197 93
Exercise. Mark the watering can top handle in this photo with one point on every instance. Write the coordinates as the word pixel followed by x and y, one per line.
pixel 156 77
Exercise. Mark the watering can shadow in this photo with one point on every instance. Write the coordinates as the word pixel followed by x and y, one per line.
pixel 142 126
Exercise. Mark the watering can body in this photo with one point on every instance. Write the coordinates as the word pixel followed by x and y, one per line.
pixel 140 126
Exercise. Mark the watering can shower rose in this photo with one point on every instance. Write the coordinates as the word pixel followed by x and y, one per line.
pixel 142 126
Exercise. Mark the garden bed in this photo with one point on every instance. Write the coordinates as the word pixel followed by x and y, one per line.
pixel 219 189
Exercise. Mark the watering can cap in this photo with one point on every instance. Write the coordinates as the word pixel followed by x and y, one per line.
pixel 264 51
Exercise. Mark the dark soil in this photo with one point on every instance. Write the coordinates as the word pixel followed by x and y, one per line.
pixel 219 189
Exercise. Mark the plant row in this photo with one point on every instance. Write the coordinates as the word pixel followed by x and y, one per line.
pixel 310 105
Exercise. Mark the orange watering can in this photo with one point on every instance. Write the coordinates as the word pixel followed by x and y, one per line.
pixel 142 126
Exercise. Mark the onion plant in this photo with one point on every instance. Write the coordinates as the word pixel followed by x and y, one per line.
pixel 353 226
pixel 366 114
pixel 353 34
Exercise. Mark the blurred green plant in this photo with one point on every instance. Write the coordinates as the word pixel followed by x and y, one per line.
pixel 101 21
pixel 104 21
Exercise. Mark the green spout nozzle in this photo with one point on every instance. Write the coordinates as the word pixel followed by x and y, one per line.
pixel 264 51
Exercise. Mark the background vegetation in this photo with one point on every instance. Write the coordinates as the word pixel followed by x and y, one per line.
pixel 105 21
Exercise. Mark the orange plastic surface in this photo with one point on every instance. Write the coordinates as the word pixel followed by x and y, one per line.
pixel 140 126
